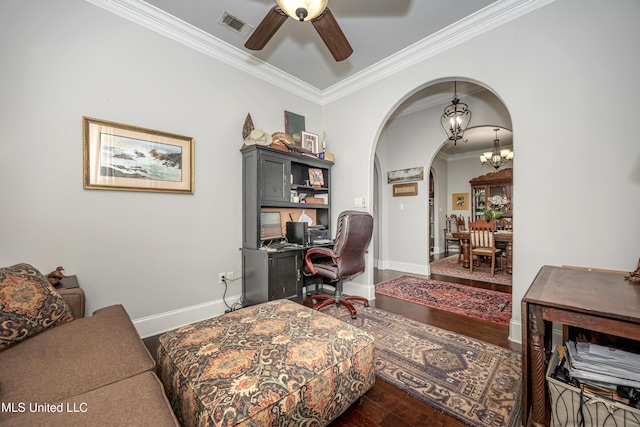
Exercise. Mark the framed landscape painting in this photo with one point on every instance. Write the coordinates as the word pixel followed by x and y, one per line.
pixel 406 175
pixel 125 157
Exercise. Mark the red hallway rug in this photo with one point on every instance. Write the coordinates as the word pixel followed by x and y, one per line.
pixel 449 267
pixel 481 304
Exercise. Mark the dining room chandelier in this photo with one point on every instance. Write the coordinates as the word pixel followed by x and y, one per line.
pixel 456 118
pixel 497 157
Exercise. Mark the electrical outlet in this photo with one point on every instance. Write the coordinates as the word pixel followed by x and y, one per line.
pixel 221 277
pixel 229 275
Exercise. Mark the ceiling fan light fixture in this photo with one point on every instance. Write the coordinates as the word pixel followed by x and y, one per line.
pixel 303 10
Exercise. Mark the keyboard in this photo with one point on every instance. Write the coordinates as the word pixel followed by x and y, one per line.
pixel 321 241
pixel 282 245
pixel 279 245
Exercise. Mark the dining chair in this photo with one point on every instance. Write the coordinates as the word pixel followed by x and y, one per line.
pixel 505 224
pixel 453 224
pixel 481 240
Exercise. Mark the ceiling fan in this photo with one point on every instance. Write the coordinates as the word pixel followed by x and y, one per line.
pixel 315 11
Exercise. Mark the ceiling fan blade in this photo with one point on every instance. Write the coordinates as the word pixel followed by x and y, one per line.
pixel 266 29
pixel 332 35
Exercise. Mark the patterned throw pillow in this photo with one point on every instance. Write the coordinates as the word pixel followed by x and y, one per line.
pixel 28 304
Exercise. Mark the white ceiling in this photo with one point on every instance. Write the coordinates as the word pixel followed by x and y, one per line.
pixel 376 29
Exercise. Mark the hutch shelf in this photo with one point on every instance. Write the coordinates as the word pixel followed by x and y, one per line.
pixel 492 191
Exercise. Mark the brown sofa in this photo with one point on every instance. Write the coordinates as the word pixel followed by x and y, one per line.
pixel 89 371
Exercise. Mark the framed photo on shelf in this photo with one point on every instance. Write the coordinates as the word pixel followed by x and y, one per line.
pixel 460 201
pixel 130 158
pixel 316 179
pixel 408 189
pixel 310 142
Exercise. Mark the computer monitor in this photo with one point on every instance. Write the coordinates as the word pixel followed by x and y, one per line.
pixel 270 226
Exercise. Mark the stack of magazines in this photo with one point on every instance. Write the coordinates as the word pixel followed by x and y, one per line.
pixel 602 367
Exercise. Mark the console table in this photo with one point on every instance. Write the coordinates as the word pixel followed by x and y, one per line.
pixel 599 301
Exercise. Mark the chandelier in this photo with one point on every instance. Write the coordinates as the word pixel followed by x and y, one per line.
pixel 497 157
pixel 456 118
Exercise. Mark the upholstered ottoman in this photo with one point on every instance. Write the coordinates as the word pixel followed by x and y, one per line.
pixel 277 363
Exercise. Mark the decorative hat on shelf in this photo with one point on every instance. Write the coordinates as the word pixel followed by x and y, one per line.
pixel 281 141
pixel 258 137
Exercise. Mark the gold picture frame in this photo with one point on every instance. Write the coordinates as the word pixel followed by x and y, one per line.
pixel 408 189
pixel 117 156
pixel 460 201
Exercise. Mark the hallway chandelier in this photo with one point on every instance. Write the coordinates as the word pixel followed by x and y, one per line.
pixel 497 157
pixel 456 117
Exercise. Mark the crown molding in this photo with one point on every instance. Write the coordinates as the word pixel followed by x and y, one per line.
pixel 486 19
pixel 149 16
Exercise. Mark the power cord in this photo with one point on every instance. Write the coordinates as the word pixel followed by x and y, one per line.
pixel 235 306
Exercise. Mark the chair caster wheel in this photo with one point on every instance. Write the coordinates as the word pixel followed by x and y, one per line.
pixel 353 316
pixel 366 304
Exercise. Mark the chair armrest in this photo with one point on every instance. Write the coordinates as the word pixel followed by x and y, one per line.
pixel 75 298
pixel 317 251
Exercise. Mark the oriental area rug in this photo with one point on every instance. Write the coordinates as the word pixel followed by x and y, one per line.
pixel 450 267
pixel 471 380
pixel 481 304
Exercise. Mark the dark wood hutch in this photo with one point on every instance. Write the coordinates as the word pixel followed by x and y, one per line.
pixel 492 191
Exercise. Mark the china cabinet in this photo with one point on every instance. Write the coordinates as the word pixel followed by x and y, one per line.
pixel 492 191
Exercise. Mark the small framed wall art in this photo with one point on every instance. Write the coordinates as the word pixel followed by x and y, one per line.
pixel 125 157
pixel 460 201
pixel 405 175
pixel 408 189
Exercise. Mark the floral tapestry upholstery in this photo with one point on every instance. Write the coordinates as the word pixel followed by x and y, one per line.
pixel 28 304
pixel 277 363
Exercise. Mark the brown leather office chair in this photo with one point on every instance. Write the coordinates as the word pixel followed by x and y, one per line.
pixel 346 259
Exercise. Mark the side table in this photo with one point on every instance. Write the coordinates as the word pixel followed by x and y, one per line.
pixel 599 301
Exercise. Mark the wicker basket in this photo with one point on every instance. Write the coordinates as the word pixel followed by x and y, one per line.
pixel 597 410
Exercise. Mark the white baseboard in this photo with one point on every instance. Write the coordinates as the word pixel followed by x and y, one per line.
pixel 359 289
pixel 422 269
pixel 515 331
pixel 162 322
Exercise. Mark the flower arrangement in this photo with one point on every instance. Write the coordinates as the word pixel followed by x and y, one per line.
pixel 492 214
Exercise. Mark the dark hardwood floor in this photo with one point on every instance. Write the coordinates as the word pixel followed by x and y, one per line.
pixel 386 405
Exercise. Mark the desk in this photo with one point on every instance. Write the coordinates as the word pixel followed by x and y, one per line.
pixel 499 236
pixel 594 300
pixel 271 275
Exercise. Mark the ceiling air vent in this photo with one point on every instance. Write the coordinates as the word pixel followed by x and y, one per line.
pixel 235 24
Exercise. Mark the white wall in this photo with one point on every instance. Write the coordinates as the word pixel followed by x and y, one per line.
pixel 154 253
pixel 564 81
pixel 407 141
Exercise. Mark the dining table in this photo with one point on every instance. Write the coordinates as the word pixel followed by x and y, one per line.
pixel 498 236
